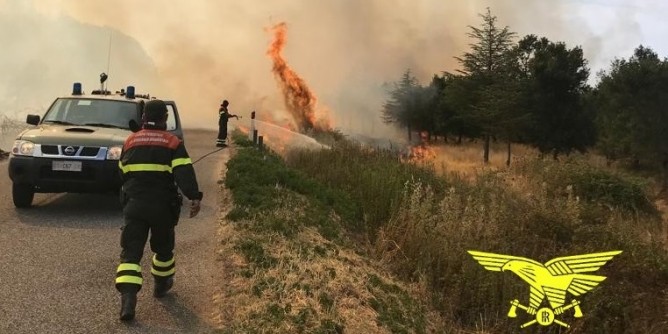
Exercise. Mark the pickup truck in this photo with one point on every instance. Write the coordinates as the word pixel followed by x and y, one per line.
pixel 75 146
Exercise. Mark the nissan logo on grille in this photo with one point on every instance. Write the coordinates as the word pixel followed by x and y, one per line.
pixel 69 150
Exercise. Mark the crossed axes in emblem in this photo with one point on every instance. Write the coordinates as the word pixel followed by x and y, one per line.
pixel 545 316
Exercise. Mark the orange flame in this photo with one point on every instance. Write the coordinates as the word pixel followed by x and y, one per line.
pixel 298 98
pixel 422 152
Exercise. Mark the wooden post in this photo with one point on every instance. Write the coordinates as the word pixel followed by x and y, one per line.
pixel 254 136
pixel 252 127
pixel 260 141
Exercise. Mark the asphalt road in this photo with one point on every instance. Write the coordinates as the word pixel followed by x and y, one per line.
pixel 58 261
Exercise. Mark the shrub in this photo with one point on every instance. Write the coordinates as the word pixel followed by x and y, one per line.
pixel 600 187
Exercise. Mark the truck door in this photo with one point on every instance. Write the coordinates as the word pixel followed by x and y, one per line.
pixel 173 120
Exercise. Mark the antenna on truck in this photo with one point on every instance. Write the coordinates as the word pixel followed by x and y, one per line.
pixel 104 76
pixel 102 80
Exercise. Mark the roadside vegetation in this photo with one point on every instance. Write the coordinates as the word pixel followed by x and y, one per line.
pixel 292 260
pixel 353 240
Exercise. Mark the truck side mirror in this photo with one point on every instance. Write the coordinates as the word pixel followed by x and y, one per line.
pixel 33 119
pixel 134 126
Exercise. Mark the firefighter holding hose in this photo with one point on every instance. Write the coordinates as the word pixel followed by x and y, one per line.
pixel 223 116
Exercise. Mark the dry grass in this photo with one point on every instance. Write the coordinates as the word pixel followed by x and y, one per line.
pixel 298 284
pixel 283 275
pixel 411 273
pixel 466 160
pixel 427 239
pixel 293 286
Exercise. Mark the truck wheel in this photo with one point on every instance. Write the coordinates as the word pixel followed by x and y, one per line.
pixel 22 195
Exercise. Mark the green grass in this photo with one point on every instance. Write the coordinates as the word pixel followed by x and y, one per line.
pixel 254 253
pixel 372 179
pixel 260 182
pixel 395 307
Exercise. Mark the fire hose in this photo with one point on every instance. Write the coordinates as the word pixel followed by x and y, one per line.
pixel 208 154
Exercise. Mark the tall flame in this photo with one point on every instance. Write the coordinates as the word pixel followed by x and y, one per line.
pixel 298 98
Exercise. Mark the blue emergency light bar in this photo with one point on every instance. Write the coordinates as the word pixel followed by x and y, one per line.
pixel 130 92
pixel 76 89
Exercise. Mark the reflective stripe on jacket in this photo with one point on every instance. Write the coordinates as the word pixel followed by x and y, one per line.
pixel 153 163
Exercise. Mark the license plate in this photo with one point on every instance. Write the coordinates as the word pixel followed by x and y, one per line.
pixel 68 166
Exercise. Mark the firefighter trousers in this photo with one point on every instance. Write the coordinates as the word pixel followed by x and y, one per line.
pixel 222 133
pixel 143 217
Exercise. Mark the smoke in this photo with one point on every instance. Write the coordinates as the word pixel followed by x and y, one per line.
pixel 201 52
pixel 44 55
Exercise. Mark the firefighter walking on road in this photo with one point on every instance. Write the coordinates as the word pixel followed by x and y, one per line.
pixel 223 116
pixel 154 165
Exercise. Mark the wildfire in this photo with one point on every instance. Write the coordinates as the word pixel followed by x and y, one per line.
pixel 422 152
pixel 298 98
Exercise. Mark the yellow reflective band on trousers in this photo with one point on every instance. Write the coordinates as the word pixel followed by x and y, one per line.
pixel 129 266
pixel 129 279
pixel 129 273
pixel 161 263
pixel 144 168
pixel 162 268
pixel 169 272
pixel 181 162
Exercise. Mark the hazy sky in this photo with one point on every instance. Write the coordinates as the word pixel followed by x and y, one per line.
pixel 199 52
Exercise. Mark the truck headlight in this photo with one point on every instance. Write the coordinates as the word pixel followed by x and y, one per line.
pixel 23 147
pixel 114 153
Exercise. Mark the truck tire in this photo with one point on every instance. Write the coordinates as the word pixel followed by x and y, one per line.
pixel 22 195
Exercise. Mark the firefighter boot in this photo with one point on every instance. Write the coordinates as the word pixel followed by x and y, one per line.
pixel 162 285
pixel 128 303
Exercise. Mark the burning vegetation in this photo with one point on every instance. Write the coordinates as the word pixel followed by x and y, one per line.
pixel 301 103
pixel 421 152
pixel 298 97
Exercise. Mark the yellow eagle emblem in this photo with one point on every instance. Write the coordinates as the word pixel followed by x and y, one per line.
pixel 552 280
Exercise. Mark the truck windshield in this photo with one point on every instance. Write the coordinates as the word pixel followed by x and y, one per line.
pixel 93 112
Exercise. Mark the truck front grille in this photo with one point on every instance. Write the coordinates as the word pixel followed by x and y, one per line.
pixel 50 149
pixel 86 151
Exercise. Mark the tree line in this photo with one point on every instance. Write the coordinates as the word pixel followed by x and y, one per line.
pixel 534 91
